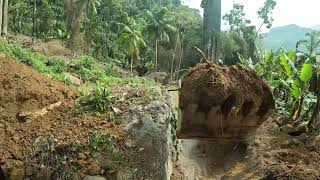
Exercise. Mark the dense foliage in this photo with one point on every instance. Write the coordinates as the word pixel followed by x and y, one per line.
pixel 141 34
pixel 294 77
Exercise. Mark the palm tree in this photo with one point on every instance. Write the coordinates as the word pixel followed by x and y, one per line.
pixel 159 25
pixel 131 41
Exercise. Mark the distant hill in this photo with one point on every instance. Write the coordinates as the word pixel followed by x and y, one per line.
pixel 284 36
pixel 317 27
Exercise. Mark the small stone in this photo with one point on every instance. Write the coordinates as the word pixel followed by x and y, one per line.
pixel 81 162
pixel 74 80
pixel 82 156
pixel 16 139
pixel 94 169
pixel 302 128
pixel 129 143
pixel 2 55
pixel 17 174
pixel 287 129
pixel 44 173
pixel 30 171
pixel 94 178
pixel 303 136
pixel 282 120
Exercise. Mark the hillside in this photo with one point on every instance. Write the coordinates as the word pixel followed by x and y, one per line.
pixel 316 27
pixel 284 36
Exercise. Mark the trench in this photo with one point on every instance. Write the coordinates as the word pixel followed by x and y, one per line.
pixel 207 160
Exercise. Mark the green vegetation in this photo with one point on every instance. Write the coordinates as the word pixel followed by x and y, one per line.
pixel 56 68
pixel 102 142
pixel 134 34
pixel 294 77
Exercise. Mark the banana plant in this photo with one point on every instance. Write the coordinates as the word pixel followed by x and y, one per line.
pixel 298 82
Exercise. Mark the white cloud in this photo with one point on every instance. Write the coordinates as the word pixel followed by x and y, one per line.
pixel 304 13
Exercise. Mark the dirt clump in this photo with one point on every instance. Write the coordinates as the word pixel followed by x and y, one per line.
pixel 38 128
pixel 219 102
pixel 24 91
pixel 52 48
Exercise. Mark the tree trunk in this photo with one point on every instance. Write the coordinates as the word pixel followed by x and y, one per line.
pixel 174 57
pixel 78 16
pixel 131 64
pixel 211 28
pixel 34 19
pixel 180 60
pixel 156 63
pixel 315 115
pixel 1 11
pixel 5 19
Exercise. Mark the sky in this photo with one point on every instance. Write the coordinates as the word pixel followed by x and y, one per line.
pixel 304 13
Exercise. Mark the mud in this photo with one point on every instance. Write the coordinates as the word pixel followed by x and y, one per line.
pixel 223 102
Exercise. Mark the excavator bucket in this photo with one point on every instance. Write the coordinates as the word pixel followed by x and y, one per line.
pixel 220 103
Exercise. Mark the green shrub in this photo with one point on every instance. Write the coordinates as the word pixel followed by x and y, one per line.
pixel 98 99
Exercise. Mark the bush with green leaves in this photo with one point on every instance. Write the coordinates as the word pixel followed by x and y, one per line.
pixel 98 99
pixel 295 80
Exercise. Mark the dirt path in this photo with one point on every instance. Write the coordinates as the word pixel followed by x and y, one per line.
pixel 205 160
pixel 270 154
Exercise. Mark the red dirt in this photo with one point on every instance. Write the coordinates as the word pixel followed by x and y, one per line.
pixel 33 107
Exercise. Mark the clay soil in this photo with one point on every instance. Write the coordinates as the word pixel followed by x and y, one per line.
pixel 36 115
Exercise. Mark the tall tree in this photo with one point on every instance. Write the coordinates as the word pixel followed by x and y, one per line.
pixel 4 32
pixel 1 11
pixel 211 27
pixel 131 40
pixel 159 25
pixel 76 19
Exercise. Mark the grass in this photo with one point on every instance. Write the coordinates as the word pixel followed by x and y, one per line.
pixel 56 68
pixel 107 91
pixel 102 142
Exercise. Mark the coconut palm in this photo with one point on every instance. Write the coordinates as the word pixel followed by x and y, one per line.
pixel 131 41
pixel 160 24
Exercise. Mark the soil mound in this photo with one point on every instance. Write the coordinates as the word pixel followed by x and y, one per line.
pixel 52 48
pixel 223 102
pixel 37 122
pixel 23 90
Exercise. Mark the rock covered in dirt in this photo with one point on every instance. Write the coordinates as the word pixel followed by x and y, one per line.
pixel 52 48
pixel 223 102
pixel 73 79
pixel 151 140
pixel 160 77
pixel 94 178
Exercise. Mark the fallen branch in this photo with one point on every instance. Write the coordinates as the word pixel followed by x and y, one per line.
pixel 203 56
pixel 289 171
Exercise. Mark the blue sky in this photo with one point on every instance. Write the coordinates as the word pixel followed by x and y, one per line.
pixel 303 13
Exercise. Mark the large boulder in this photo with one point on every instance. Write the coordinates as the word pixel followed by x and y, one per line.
pixel 150 139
